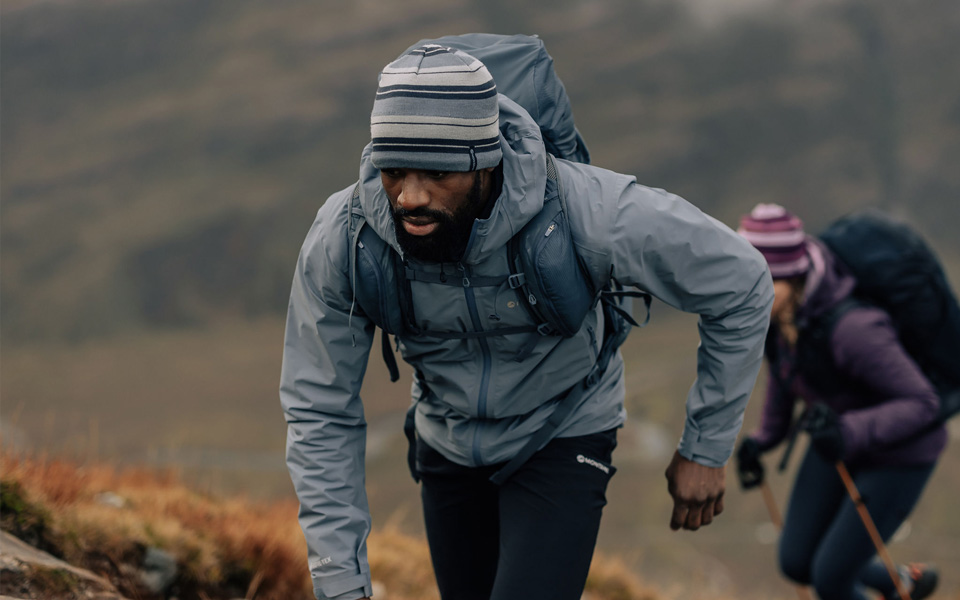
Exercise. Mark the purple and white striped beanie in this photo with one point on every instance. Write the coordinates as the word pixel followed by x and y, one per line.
pixel 436 109
pixel 778 235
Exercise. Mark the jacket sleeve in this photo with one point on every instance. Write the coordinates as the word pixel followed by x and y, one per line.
pixel 324 359
pixel 904 403
pixel 668 247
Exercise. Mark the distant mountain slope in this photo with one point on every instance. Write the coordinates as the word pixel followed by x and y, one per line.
pixel 161 161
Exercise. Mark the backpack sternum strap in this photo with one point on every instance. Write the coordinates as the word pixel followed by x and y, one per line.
pixel 461 279
pixel 454 281
pixel 469 335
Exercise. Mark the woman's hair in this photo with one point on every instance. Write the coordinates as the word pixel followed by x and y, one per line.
pixel 786 319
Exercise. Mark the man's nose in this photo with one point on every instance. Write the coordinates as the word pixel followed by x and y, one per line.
pixel 413 192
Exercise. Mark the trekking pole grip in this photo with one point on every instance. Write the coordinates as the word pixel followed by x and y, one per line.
pixel 854 494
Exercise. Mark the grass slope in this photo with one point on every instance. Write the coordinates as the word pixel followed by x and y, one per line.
pixel 224 547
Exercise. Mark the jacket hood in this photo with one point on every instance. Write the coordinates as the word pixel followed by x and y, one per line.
pixel 828 282
pixel 521 196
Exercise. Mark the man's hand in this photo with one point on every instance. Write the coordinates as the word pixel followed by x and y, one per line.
pixel 697 493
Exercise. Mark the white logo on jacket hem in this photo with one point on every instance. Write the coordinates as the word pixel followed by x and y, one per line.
pixel 593 463
pixel 326 560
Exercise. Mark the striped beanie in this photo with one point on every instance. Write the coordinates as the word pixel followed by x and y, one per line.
pixel 436 109
pixel 778 235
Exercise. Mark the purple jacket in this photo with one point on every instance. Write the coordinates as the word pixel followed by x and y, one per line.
pixel 885 415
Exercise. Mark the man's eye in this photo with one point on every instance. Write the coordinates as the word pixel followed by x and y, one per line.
pixel 391 173
pixel 436 174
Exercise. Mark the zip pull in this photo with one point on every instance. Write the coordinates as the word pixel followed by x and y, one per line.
pixel 550 229
pixel 463 271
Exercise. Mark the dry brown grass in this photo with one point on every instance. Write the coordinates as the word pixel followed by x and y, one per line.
pixel 218 543
pixel 224 546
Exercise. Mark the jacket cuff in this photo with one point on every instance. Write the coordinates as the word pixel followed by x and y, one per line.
pixel 708 453
pixel 851 440
pixel 350 587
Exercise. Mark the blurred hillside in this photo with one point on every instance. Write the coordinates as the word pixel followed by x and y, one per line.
pixel 161 161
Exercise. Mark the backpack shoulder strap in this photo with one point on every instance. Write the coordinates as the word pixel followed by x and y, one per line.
pixel 369 285
pixel 815 351
pixel 617 324
pixel 555 287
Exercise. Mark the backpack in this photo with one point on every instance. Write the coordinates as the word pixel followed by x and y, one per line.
pixel 898 272
pixel 523 71
pixel 553 283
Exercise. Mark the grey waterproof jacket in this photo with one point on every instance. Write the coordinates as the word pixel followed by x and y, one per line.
pixel 479 406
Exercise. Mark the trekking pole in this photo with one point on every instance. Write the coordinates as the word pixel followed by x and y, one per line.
pixel 771 505
pixel 871 528
pixel 791 442
pixel 803 592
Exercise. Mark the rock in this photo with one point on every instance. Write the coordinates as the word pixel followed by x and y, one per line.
pixel 111 499
pixel 29 573
pixel 159 570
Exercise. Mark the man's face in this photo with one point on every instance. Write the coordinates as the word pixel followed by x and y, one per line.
pixel 434 211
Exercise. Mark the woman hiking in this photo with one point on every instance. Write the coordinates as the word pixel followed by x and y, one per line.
pixel 868 404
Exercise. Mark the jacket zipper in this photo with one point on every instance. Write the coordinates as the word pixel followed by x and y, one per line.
pixel 485 352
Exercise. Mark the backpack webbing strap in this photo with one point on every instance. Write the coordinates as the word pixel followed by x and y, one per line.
pixel 607 295
pixel 356 222
pixel 407 274
pixel 565 406
pixel 813 359
pixel 527 348
pixel 567 402
pixel 410 430
pixel 814 352
pixel 388 356
pixel 410 427
pixel 455 280
pixel 468 335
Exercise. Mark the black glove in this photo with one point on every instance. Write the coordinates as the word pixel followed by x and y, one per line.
pixel 824 427
pixel 749 467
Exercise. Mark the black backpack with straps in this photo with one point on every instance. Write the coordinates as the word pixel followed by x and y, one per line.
pixel 898 272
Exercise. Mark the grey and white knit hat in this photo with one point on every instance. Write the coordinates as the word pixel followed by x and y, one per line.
pixel 436 109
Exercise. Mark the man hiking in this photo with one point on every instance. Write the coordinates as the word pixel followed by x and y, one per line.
pixel 514 424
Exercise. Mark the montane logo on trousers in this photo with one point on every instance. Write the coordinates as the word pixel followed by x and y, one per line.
pixel 593 463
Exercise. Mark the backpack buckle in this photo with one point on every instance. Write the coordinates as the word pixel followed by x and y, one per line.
pixel 545 329
pixel 516 280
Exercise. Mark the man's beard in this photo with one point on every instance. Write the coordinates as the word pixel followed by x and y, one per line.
pixel 449 239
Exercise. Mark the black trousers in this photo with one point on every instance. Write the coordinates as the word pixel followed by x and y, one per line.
pixel 824 543
pixel 533 537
